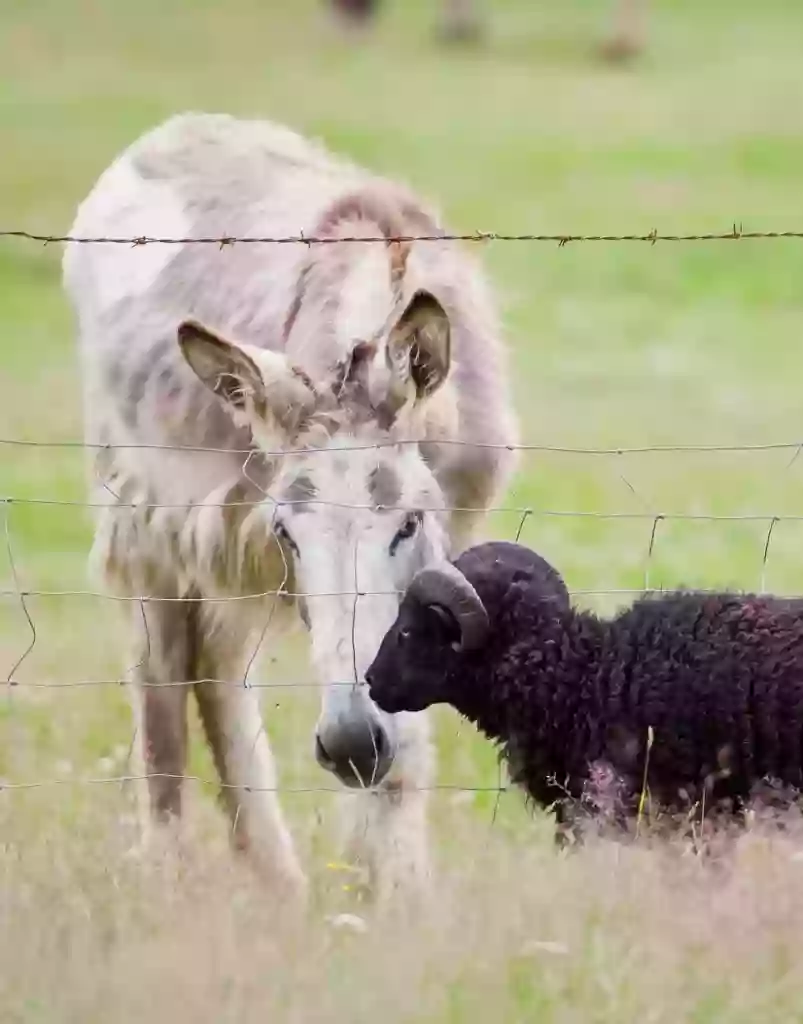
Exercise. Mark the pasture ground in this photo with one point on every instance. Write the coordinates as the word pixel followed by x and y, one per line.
pixel 614 345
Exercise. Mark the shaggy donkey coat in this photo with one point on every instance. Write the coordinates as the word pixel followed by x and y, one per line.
pixel 268 424
pixel 699 694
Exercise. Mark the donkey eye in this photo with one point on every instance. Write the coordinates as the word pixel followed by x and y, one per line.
pixel 282 534
pixel 408 529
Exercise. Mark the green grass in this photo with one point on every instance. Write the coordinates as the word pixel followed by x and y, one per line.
pixel 613 345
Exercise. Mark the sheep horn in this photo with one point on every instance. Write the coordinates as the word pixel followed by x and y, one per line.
pixel 446 586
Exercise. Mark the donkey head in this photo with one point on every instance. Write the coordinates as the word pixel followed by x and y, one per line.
pixel 357 513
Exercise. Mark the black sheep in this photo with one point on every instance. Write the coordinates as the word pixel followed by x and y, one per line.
pixel 700 695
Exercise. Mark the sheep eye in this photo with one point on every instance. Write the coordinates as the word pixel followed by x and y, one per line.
pixel 282 534
pixel 403 636
pixel 408 529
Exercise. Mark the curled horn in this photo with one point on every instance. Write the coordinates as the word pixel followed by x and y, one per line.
pixel 446 586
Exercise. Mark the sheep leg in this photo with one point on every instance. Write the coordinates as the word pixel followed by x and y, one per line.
pixel 386 832
pixel 232 721
pixel 569 831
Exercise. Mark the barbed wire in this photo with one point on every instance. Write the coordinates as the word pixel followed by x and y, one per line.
pixel 736 233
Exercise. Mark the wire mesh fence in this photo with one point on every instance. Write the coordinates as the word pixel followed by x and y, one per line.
pixel 26 597
pixel 17 592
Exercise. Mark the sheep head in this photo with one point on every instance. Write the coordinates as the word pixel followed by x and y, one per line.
pixel 448 614
pixel 441 619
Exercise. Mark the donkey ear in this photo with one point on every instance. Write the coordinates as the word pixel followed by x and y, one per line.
pixel 254 383
pixel 419 345
pixel 223 367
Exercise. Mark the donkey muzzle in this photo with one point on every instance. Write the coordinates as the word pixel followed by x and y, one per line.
pixel 356 742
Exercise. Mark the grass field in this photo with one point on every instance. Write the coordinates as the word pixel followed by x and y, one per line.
pixel 614 345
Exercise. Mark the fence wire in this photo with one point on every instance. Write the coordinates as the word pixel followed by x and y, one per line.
pixel 117 780
pixel 735 234
pixel 657 449
pixel 25 595
pixel 22 594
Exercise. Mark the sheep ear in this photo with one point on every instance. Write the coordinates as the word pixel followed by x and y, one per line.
pixel 257 386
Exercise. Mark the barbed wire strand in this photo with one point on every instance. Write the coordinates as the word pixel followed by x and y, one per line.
pixel 735 234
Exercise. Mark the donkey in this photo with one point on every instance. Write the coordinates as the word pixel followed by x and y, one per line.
pixel 271 426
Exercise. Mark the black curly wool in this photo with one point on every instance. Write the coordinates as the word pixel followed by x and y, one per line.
pixel 718 679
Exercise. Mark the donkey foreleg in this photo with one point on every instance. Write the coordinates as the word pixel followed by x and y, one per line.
pixel 232 720
pixel 162 674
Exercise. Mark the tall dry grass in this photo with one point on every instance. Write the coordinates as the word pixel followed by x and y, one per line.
pixel 513 931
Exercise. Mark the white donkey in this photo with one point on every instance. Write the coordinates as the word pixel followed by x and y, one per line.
pixel 290 375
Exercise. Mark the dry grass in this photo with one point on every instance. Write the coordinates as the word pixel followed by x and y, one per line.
pixel 514 931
